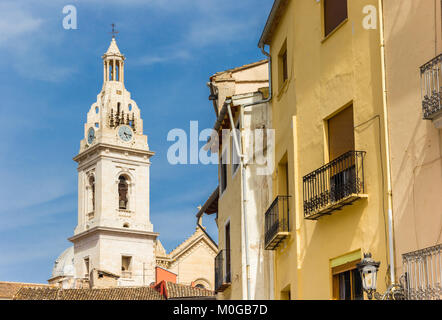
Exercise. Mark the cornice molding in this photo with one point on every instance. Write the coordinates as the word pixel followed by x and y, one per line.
pixel 99 229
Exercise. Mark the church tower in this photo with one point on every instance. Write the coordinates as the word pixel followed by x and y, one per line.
pixel 114 233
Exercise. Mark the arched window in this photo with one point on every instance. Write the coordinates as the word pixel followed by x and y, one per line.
pixel 123 189
pixel 92 193
pixel 200 286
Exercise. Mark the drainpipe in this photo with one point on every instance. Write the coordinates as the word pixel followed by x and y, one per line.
pixel 244 193
pixel 387 146
pixel 243 165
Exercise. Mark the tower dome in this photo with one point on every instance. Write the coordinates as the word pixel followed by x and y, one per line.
pixel 64 265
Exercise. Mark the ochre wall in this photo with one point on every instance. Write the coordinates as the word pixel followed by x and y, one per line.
pixel 324 77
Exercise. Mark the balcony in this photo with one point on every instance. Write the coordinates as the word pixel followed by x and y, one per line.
pixel 277 222
pixel 431 87
pixel 222 271
pixel 335 185
pixel 423 270
pixel 126 274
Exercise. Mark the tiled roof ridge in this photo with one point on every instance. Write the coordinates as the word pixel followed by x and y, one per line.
pixel 245 66
pixel 175 290
pixel 116 293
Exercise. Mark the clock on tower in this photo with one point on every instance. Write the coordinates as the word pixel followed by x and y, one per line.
pixel 114 232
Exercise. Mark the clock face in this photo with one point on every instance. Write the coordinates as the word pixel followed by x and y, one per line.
pixel 90 135
pixel 125 133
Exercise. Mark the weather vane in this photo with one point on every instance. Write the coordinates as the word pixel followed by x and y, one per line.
pixel 114 32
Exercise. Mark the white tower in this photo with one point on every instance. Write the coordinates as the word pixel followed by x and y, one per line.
pixel 114 232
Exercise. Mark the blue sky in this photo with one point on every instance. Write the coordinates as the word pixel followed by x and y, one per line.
pixel 49 78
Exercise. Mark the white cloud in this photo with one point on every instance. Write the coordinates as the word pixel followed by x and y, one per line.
pixel 171 56
pixel 16 22
pixel 26 44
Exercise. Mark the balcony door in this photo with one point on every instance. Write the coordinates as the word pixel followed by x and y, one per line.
pixel 341 140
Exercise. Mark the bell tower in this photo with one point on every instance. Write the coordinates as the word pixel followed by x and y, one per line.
pixel 114 232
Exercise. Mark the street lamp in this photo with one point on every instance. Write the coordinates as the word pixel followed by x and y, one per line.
pixel 369 273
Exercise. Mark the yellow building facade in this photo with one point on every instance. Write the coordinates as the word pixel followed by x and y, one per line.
pixel 330 158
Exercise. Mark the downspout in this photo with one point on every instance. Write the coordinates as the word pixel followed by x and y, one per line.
pixel 243 166
pixel 243 207
pixel 387 146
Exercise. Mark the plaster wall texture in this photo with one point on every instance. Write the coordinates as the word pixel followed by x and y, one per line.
pixel 243 88
pixel 413 27
pixel 325 75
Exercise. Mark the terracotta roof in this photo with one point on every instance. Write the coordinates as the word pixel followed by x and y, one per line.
pixel 176 291
pixel 8 289
pixel 122 293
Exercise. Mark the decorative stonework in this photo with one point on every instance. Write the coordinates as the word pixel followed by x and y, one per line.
pixel 193 259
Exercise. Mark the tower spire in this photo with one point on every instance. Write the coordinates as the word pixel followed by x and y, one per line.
pixel 113 61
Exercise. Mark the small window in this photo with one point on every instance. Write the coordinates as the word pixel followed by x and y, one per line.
pixel 126 225
pixel 283 65
pixel 97 125
pixel 335 12
pixel 97 110
pixel 223 173
pixel 130 107
pixel 86 267
pixel 126 267
pixel 236 159
pixel 347 282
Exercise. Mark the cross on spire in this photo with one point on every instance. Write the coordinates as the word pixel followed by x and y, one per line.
pixel 114 32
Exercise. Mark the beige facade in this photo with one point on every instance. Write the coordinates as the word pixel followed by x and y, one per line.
pixel 245 188
pixel 413 38
pixel 192 261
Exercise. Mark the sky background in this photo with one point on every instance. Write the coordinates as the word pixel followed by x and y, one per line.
pixel 50 77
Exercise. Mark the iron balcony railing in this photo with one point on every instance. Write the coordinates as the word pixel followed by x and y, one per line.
pixel 431 87
pixel 423 270
pixel 222 270
pixel 334 185
pixel 277 222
